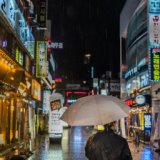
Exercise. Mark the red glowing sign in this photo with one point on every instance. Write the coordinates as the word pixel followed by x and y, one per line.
pixel 129 102
pixel 74 96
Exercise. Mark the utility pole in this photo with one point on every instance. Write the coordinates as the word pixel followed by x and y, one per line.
pixel 108 78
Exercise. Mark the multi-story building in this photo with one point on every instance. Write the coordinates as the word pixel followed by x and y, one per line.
pixel 24 64
pixel 135 82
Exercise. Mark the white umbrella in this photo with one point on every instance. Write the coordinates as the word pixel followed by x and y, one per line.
pixel 95 110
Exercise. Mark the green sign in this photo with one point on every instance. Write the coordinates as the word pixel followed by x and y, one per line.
pixel 154 64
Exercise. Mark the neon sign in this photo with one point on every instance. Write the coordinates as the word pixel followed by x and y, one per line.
pixel 130 102
pixel 155 64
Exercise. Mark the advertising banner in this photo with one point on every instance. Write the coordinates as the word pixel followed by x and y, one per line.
pixel 30 45
pixel 7 8
pixel 154 6
pixel 154 30
pixel 36 90
pixel 46 102
pixel 27 63
pixel 55 125
pixel 41 59
pixel 154 65
pixel 56 45
pixel 19 57
pixel 154 39
pixel 147 121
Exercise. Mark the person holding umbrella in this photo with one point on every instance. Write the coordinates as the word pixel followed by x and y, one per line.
pixel 100 109
pixel 107 145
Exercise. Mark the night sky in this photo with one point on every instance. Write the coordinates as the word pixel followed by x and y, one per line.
pixel 86 26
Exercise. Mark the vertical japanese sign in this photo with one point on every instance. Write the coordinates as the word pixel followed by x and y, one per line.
pixel 46 102
pixel 41 59
pixel 42 13
pixel 154 39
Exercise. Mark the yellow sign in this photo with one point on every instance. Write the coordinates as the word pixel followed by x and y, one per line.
pixel 36 90
pixel 155 64
pixel 41 59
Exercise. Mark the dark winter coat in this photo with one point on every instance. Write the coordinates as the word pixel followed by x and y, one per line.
pixel 107 145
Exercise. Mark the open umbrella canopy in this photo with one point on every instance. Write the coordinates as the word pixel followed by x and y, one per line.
pixel 95 110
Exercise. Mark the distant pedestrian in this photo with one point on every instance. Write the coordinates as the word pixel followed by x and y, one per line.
pixel 137 140
pixel 107 145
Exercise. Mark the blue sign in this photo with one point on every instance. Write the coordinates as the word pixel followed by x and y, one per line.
pixel 154 6
pixel 147 121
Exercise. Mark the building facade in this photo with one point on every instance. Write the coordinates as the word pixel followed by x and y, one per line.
pixel 136 87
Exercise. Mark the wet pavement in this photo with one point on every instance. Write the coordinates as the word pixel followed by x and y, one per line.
pixel 72 147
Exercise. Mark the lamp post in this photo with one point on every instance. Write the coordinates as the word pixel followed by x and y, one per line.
pixel 108 77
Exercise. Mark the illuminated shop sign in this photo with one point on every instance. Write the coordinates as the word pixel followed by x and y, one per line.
pixel 147 121
pixel 46 102
pixel 144 80
pixel 140 100
pixel 36 90
pixel 154 6
pixel 130 102
pixel 27 63
pixel 71 101
pixel 154 30
pixel 3 6
pixel 103 92
pixel 58 79
pixel 131 72
pixel 11 12
pixel 41 59
pixel 7 7
pixel 114 87
pixel 72 96
pixel 154 64
pixel 30 47
pixel 55 45
pixel 19 57
pixel 142 62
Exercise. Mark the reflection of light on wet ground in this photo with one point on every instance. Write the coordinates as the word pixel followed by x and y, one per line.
pixel 77 134
pixel 55 152
pixel 146 154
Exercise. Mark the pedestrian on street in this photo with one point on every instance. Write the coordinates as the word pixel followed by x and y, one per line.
pixel 137 140
pixel 107 145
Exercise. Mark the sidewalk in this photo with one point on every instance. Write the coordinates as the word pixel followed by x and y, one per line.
pixel 11 149
pixel 145 151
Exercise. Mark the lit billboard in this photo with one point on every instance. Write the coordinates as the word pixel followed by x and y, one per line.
pixel 46 102
pixel 36 90
pixel 154 39
pixel 154 65
pixel 41 59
